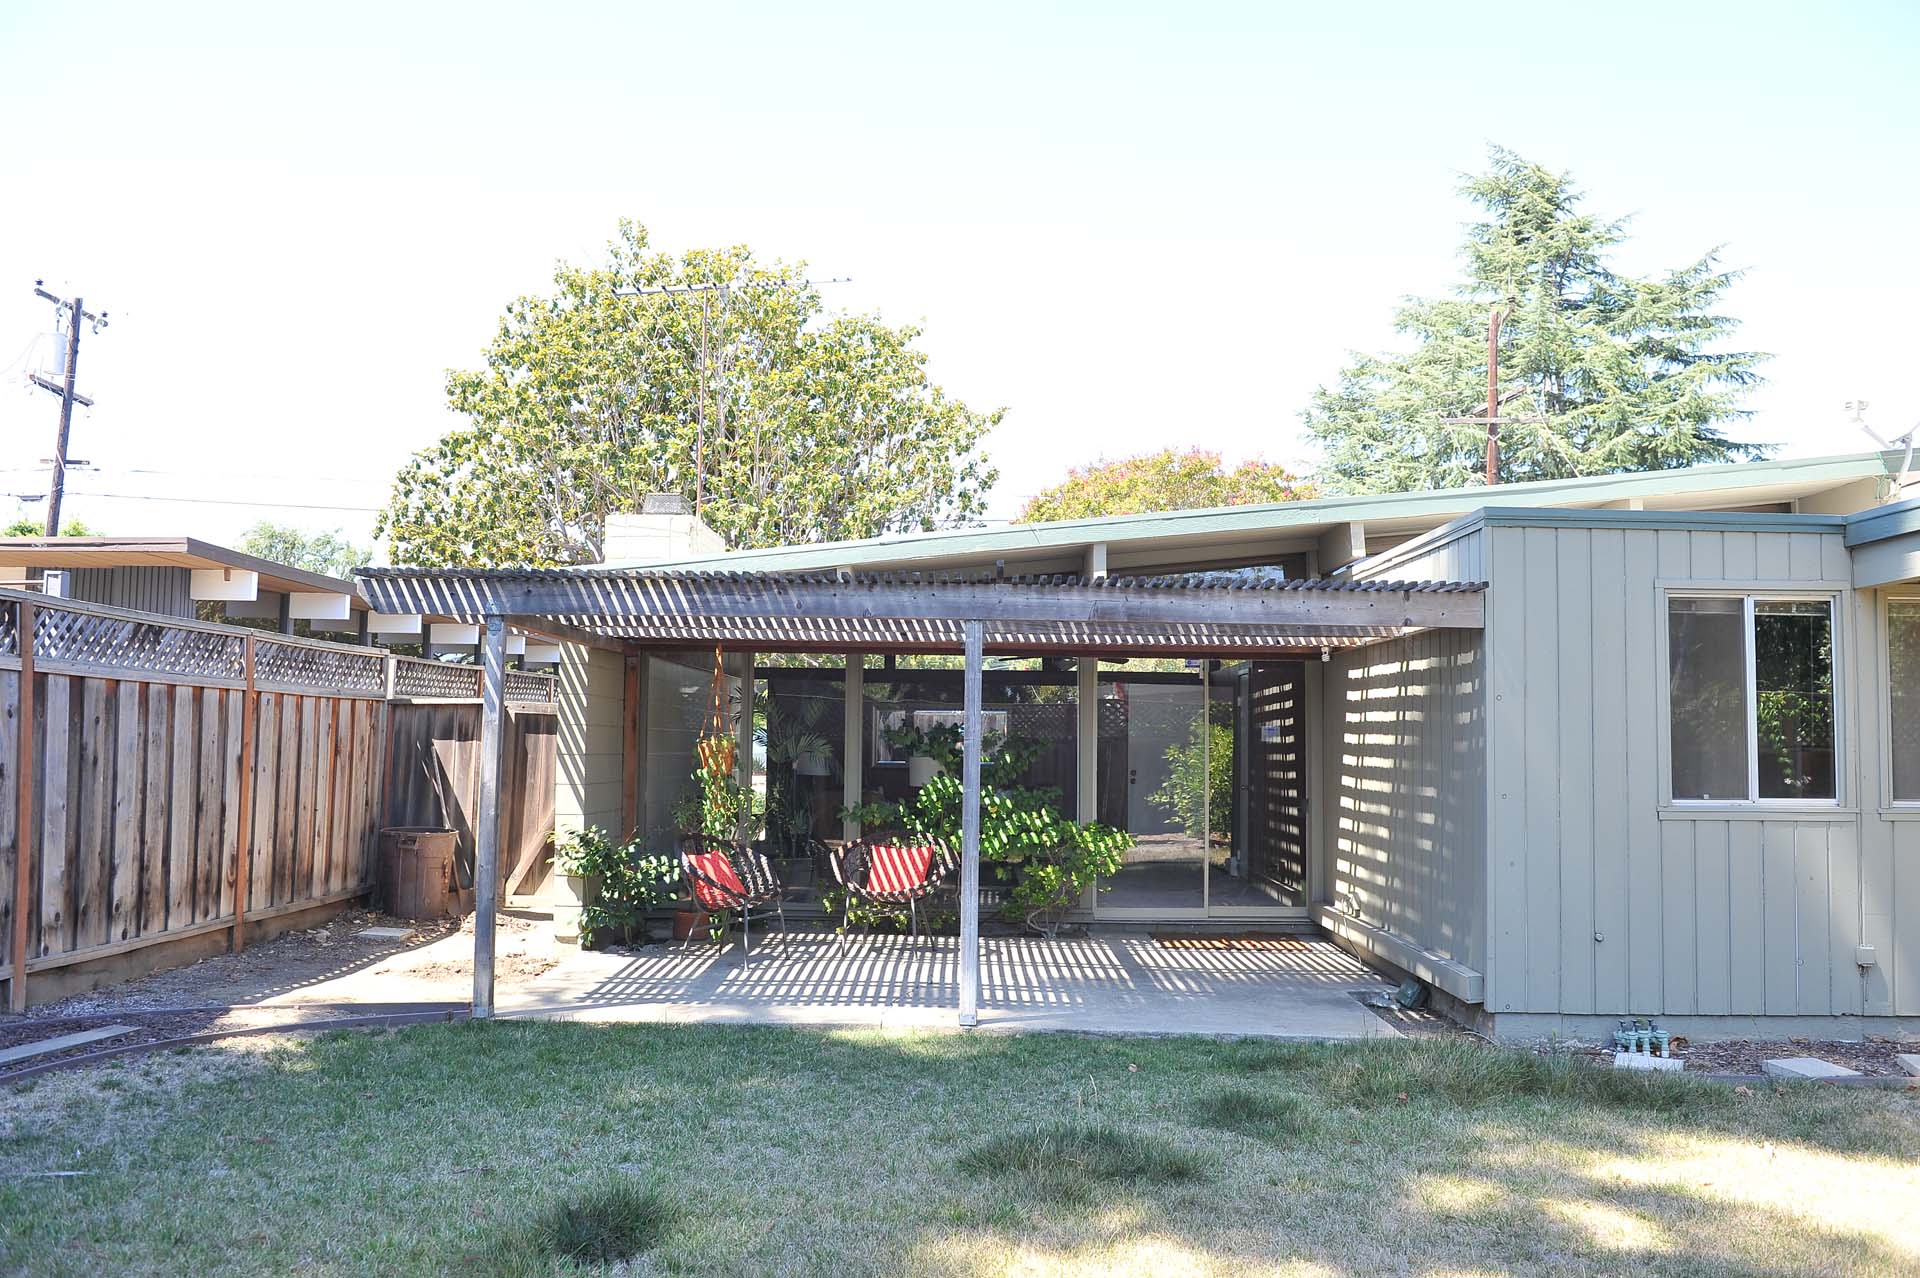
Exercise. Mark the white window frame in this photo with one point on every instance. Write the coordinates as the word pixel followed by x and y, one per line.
pixel 1750 595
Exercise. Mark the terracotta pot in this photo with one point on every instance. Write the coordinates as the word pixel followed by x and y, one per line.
pixel 689 923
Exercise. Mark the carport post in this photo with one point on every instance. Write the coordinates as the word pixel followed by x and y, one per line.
pixel 970 836
pixel 486 868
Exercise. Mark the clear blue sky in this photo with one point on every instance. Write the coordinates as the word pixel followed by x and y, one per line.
pixel 1130 225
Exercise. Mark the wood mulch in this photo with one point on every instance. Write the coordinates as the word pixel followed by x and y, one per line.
pixel 1873 1055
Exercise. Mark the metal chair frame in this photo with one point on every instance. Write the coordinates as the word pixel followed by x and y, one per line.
pixel 851 866
pixel 762 887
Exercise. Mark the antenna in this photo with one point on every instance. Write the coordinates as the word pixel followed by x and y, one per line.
pixel 1857 414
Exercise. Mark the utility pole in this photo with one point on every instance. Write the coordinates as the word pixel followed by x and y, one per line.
pixel 1493 397
pixel 76 312
pixel 1493 420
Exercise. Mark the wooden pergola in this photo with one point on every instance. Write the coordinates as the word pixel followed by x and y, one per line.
pixel 1237 615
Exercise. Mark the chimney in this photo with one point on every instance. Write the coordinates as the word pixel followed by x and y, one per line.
pixel 665 531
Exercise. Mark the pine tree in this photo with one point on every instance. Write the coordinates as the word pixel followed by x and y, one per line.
pixel 1607 372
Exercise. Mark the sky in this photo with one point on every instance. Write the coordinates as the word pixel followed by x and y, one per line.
pixel 1132 226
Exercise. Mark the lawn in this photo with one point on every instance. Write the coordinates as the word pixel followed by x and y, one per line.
pixel 493 1149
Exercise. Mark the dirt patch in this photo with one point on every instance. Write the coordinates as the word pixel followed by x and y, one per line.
pixel 282 968
pixel 325 971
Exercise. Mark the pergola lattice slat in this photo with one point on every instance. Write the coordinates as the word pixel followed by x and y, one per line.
pixel 1210 613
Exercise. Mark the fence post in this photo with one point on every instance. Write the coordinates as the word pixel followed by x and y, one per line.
pixel 242 872
pixel 25 619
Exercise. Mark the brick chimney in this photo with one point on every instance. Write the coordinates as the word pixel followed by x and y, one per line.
pixel 664 531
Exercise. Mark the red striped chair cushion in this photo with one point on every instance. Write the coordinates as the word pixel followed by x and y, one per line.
pixel 717 867
pixel 897 869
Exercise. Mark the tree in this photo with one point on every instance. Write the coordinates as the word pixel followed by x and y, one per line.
pixel 1171 479
pixel 1606 372
pixel 324 552
pixel 795 426
pixel 26 527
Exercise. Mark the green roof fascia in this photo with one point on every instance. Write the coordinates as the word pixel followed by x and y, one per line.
pixel 1277 516
pixel 1665 520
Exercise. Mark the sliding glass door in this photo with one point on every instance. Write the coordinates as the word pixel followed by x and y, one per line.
pixel 1207 770
pixel 1152 783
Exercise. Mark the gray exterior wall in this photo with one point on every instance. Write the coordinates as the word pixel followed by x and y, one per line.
pixel 1603 897
pixel 166 591
pixel 1403 791
pixel 1455 552
pixel 1889 848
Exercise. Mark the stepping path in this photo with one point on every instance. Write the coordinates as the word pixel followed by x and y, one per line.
pixel 1806 1067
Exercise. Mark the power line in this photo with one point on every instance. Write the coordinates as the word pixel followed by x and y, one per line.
pixel 208 501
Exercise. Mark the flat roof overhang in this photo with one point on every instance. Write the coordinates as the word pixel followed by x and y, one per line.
pixel 164 552
pixel 1210 614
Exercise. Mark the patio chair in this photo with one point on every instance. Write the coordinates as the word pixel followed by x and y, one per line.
pixel 736 878
pixel 891 870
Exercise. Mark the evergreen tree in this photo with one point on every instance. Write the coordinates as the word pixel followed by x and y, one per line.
pixel 1607 372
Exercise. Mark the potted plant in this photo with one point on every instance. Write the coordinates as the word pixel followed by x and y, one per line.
pixel 1053 859
pixel 621 884
pixel 930 752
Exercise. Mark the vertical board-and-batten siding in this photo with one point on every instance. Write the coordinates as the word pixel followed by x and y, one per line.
pixel 590 689
pixel 1601 901
pixel 164 590
pixel 1889 838
pixel 1405 789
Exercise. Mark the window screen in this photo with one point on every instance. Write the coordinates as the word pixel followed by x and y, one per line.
pixel 1707 659
pixel 1903 684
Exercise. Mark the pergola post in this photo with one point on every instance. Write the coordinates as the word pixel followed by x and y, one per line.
pixel 970 832
pixel 1086 754
pixel 486 868
pixel 853 742
pixel 1086 751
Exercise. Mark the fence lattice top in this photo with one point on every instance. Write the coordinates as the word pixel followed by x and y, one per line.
pixel 85 638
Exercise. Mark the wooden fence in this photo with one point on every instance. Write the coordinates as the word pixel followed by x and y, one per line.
pixel 433 765
pixel 163 778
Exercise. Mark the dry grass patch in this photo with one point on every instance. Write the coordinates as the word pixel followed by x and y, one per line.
pixel 524 1149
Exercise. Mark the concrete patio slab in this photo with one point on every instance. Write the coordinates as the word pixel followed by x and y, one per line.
pixel 1108 983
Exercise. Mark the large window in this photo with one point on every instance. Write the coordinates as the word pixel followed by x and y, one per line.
pixel 1751 698
pixel 1903 686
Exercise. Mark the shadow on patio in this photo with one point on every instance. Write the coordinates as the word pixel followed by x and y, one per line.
pixel 1110 983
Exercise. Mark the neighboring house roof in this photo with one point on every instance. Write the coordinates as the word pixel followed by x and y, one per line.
pixel 1222 535
pixel 164 552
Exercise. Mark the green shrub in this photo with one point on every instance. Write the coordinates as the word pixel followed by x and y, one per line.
pixel 629 881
